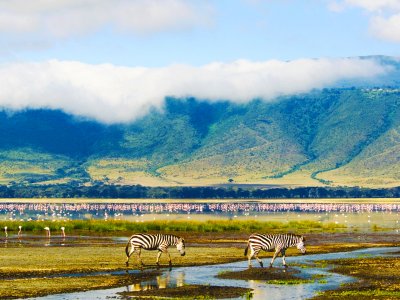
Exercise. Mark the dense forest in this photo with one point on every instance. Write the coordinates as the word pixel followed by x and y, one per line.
pixel 137 191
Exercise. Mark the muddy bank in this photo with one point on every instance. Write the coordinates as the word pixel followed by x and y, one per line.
pixel 192 292
pixel 377 278
pixel 27 269
pixel 36 287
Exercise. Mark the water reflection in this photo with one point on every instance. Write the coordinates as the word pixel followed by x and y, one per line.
pixel 205 275
pixel 161 282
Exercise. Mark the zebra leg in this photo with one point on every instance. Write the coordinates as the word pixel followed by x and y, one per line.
pixel 158 258
pixel 254 252
pixel 273 258
pixel 250 255
pixel 283 258
pixel 259 260
pixel 128 254
pixel 169 257
pixel 140 262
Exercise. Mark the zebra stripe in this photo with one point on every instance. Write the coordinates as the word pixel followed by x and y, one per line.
pixel 277 242
pixel 159 242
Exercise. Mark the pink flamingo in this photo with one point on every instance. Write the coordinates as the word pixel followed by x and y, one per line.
pixel 63 231
pixel 20 231
pixel 5 231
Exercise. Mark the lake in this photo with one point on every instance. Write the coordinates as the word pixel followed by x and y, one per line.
pixel 359 213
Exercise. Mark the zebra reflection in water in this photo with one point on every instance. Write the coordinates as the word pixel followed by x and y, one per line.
pixel 277 242
pixel 159 242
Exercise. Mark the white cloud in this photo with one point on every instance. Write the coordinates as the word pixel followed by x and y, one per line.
pixel 384 16
pixel 112 93
pixel 65 18
pixel 386 28
pixel 374 5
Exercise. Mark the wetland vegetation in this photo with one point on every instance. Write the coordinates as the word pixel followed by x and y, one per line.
pixel 192 292
pixel 112 226
pixel 92 256
pixel 37 269
pixel 377 278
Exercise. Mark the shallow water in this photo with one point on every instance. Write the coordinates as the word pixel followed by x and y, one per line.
pixel 205 275
pixel 357 213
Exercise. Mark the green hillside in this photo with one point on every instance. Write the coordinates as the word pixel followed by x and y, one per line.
pixel 338 136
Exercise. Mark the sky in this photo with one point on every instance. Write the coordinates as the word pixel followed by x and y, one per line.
pixel 114 60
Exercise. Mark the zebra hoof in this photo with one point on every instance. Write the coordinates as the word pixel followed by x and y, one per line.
pixel 127 264
pixel 261 264
pixel 285 266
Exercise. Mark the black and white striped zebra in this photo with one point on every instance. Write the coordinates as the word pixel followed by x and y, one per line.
pixel 159 242
pixel 277 242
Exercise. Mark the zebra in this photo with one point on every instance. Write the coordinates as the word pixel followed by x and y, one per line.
pixel 277 242
pixel 159 242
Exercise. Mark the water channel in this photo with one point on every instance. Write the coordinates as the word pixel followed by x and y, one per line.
pixel 205 275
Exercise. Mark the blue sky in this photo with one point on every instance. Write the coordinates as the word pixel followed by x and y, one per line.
pixel 45 43
pixel 222 30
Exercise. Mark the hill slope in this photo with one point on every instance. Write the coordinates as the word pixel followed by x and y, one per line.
pixel 337 136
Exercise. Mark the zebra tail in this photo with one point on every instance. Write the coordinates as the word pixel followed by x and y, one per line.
pixel 245 250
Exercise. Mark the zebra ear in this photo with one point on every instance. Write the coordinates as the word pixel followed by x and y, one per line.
pixel 303 238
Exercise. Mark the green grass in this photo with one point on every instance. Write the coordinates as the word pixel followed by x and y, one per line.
pixel 174 226
pixel 192 292
pixel 290 282
pixel 378 278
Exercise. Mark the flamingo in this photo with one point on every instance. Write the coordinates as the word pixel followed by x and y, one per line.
pixel 47 231
pixel 63 231
pixel 20 230
pixel 5 231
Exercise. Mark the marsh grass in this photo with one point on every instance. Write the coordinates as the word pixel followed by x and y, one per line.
pixel 192 292
pixel 43 261
pixel 277 276
pixel 378 278
pixel 34 287
pixel 29 277
pixel 290 281
pixel 103 226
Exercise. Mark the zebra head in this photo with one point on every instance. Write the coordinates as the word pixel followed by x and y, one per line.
pixel 300 245
pixel 180 246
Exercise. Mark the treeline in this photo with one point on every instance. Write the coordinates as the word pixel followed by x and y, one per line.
pixel 138 191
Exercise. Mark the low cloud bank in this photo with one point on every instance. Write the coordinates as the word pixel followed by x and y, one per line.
pixel 114 94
